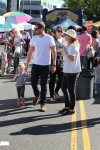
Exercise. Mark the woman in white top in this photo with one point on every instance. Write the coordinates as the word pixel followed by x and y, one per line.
pixel 18 41
pixel 71 70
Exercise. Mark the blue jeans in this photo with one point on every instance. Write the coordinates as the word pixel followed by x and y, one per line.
pixel 39 71
pixel 69 89
pixel 16 63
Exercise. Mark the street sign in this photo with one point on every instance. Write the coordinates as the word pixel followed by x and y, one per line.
pixel 89 25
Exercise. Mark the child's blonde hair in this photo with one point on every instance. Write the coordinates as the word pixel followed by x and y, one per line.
pixel 22 65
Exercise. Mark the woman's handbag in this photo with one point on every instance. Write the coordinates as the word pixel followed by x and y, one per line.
pixel 90 52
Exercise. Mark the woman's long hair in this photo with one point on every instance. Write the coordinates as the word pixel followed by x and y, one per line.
pixel 16 31
pixel 74 41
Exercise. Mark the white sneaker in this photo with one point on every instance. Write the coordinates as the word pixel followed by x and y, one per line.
pixel 5 73
pixel 52 99
pixel 56 96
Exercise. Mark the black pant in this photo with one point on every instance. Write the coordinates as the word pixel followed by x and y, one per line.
pixel 53 77
pixel 20 91
pixel 69 89
pixel 42 72
pixel 90 63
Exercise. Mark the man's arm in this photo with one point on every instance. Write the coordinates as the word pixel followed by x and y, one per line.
pixel 29 54
pixel 54 57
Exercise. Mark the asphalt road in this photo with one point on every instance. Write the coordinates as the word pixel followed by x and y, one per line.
pixel 27 128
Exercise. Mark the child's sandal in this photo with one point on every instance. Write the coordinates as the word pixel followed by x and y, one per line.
pixel 18 103
pixel 23 103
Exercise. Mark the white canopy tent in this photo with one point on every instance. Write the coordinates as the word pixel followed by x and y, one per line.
pixel 65 24
pixel 26 26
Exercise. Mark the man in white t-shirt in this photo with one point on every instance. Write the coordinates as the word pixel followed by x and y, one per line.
pixel 42 45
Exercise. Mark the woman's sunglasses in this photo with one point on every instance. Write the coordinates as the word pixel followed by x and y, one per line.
pixel 60 31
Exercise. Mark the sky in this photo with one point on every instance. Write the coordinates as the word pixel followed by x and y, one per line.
pixel 56 2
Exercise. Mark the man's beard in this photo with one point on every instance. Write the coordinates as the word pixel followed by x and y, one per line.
pixel 37 33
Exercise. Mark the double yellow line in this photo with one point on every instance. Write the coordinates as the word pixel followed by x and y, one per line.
pixel 74 133
pixel 85 135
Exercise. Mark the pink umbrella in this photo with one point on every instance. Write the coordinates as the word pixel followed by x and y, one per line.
pixel 16 17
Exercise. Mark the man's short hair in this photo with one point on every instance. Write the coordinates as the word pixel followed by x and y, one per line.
pixel 40 24
pixel 84 28
pixel 71 27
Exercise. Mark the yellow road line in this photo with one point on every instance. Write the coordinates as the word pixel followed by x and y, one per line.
pixel 86 140
pixel 74 133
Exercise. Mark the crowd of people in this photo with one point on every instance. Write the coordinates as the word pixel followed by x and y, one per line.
pixel 61 54
pixel 15 45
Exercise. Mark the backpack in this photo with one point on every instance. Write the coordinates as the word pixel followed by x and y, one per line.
pixel 90 52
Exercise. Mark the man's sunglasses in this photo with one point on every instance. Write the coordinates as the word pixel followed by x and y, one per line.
pixel 60 31
pixel 36 28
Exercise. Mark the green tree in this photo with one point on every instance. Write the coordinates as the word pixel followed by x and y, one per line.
pixel 90 8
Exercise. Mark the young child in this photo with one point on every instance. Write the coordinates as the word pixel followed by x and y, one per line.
pixel 97 75
pixel 20 78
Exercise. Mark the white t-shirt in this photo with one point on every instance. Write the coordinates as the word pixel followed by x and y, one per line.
pixel 17 41
pixel 42 53
pixel 72 66
pixel 62 40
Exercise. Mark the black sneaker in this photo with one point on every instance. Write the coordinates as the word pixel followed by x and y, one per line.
pixel 63 110
pixel 72 111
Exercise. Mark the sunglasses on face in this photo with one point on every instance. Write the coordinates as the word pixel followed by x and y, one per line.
pixel 36 28
pixel 60 31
